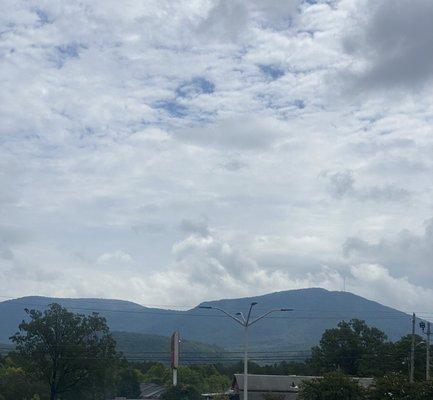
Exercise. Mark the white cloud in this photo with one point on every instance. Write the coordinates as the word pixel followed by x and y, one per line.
pixel 228 19
pixel 405 254
pixel 117 257
pixel 156 146
pixel 342 184
pixel 375 282
pixel 246 133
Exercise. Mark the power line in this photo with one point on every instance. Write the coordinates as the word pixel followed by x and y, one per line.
pixel 376 315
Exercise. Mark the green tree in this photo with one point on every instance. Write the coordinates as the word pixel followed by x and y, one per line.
pixel 397 387
pixel 71 353
pixel 333 386
pixel 191 377
pixel 16 383
pixel 205 378
pixel 128 382
pixel 354 348
pixel 392 386
pixel 424 391
pixel 159 374
pixel 273 396
pixel 216 383
pixel 181 392
pixel 401 356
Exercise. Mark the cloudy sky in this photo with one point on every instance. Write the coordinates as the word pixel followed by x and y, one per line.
pixel 168 152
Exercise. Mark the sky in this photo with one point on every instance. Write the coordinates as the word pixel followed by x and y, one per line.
pixel 170 152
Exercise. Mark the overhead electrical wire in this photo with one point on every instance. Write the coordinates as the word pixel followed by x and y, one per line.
pixel 339 313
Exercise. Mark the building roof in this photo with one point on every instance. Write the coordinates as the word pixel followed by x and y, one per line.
pixel 151 390
pixel 282 383
pixel 268 383
pixel 364 382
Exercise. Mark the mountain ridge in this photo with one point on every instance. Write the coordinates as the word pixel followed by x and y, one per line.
pixel 315 309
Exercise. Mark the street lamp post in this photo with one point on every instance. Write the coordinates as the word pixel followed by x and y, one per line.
pixel 246 323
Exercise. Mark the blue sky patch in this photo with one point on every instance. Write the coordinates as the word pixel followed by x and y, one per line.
pixel 195 87
pixel 272 71
pixel 299 103
pixel 172 107
pixel 43 17
pixel 65 52
pixel 68 51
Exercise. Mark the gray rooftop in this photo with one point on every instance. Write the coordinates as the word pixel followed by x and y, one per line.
pixel 268 383
pixel 282 383
pixel 151 390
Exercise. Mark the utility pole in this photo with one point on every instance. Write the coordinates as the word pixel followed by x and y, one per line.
pixel 427 365
pixel 245 323
pixel 428 334
pixel 412 351
pixel 246 362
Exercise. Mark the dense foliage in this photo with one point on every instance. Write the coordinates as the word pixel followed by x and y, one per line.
pixel 333 386
pixel 181 392
pixel 359 350
pixel 66 351
pixel 205 378
pixel 337 386
pixel 62 355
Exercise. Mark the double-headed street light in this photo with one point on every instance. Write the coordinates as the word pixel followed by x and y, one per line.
pixel 246 323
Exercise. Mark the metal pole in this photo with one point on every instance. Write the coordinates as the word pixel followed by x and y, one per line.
pixel 427 368
pixel 412 351
pixel 246 323
pixel 246 362
pixel 174 376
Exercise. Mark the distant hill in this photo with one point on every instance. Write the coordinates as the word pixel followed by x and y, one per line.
pixel 5 348
pixel 142 346
pixel 146 347
pixel 314 311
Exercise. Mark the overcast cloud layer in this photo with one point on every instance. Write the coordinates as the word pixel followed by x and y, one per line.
pixel 173 152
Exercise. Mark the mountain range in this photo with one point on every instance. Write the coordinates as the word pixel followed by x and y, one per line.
pixel 314 310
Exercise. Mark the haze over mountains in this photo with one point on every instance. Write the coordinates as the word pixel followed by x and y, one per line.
pixel 314 311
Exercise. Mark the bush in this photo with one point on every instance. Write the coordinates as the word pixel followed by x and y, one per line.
pixel 181 392
pixel 334 386
pixel 398 387
pixel 273 396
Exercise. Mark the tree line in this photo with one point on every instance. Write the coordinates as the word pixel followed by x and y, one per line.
pixel 60 355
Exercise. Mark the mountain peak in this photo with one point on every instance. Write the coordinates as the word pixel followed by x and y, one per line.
pixel 314 310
